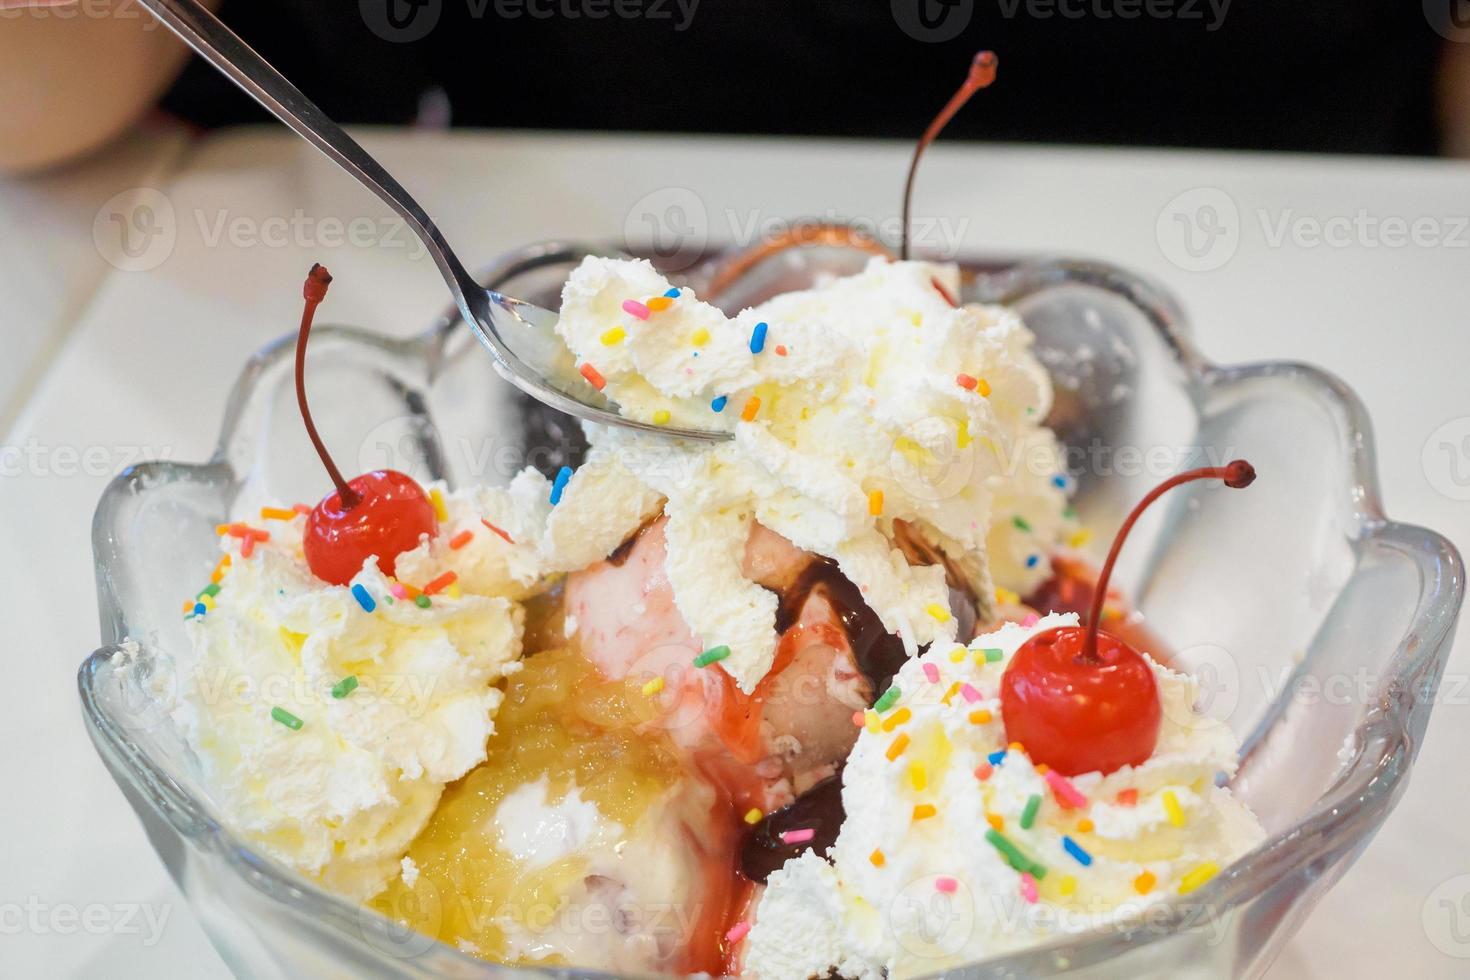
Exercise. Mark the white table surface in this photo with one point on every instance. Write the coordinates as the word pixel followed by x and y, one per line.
pixel 137 364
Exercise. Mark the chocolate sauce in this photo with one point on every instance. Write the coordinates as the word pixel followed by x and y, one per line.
pixel 621 552
pixel 818 809
pixel 877 653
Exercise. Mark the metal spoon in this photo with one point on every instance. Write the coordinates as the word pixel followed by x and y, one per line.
pixel 522 337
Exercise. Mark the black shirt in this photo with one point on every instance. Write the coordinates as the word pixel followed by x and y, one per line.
pixel 1316 75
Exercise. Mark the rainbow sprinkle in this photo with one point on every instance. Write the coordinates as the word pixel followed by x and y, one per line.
pixel 931 672
pixel 981 716
pixel 653 687
pixel 1028 815
pixel 1028 887
pixel 1030 620
pixel 877 858
pixel 875 502
pixel 946 884
pixel 363 598
pixel 982 387
pixel 758 337
pixel 966 381
pixel 461 539
pixel 659 303
pixel 507 537
pixel 1013 854
pixel 897 718
pixel 939 613
pixel 559 485
pixel 634 308
pixel 993 655
pixel 968 692
pixel 422 601
pixel 700 337
pixel 593 376
pixel 753 816
pixel 719 404
pixel 1020 523
pixel 1144 883
pixel 918 776
pixel 441 583
pixel 672 292
pixel 436 500
pixel 996 758
pixel 662 416
pixel 286 718
pixel 798 836
pixel 1067 794
pixel 752 405
pixel 886 701
pixel 1197 877
pixel 712 655
pixel 1075 849
pixel 1127 797
pixel 1173 809
pixel 738 931
pixel 924 811
pixel 398 590
pixel 613 336
pixel 277 514
pixel 344 687
pixel 984 771
pixel 896 747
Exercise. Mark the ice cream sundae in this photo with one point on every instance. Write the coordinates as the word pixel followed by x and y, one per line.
pixel 751 706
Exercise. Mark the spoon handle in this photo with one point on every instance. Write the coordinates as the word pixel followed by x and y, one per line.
pixel 237 61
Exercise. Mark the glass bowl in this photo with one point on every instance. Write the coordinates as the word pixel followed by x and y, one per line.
pixel 1317 626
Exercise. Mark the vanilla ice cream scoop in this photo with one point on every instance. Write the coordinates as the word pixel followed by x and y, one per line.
pixel 956 847
pixel 327 720
pixel 857 407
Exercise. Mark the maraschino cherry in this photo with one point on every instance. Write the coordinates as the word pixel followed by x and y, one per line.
pixel 382 513
pixel 1081 700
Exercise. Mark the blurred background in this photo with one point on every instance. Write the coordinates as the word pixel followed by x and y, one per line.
pixel 1367 76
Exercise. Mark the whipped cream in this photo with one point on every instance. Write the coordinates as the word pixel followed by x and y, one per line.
pixel 340 797
pixel 909 894
pixel 854 405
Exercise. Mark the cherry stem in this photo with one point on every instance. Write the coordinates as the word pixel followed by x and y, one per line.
pixel 982 73
pixel 1238 475
pixel 314 291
